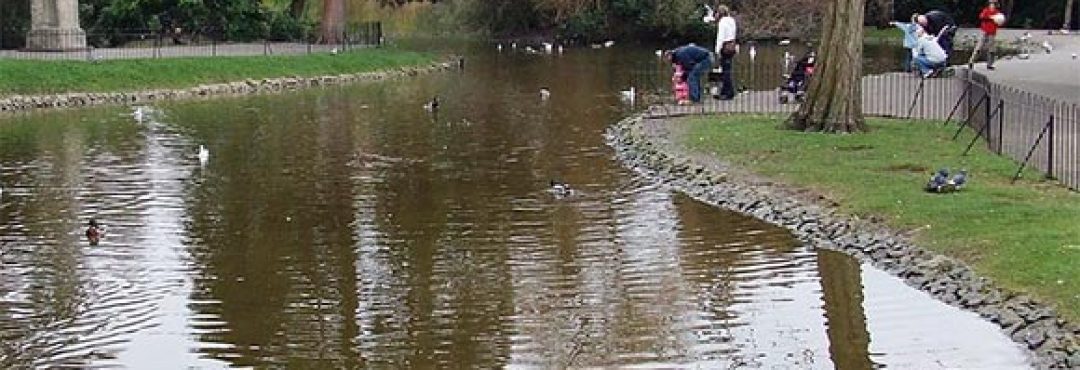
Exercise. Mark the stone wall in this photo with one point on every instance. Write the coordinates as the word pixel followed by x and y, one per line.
pixel 75 100
pixel 1053 342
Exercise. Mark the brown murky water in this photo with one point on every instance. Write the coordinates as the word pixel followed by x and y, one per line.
pixel 347 227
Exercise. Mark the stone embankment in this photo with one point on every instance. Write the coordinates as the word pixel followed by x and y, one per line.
pixel 251 86
pixel 646 144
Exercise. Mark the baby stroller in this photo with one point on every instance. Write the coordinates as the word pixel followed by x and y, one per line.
pixel 794 86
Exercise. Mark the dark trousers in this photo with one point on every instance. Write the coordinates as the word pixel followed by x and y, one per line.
pixel 727 81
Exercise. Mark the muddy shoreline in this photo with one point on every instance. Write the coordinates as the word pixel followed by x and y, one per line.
pixel 648 144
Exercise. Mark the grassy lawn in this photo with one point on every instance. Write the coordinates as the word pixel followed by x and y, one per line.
pixel 1024 236
pixel 44 77
pixel 883 35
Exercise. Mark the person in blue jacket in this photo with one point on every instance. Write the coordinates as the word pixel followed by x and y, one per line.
pixel 910 40
pixel 696 60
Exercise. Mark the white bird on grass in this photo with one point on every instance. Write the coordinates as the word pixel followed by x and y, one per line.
pixel 545 93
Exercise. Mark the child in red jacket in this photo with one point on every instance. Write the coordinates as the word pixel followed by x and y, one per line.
pixel 989 20
pixel 679 84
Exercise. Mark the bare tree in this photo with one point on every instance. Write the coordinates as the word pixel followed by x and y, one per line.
pixel 333 21
pixel 834 97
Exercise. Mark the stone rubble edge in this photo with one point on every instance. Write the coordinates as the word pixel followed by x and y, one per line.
pixel 1052 342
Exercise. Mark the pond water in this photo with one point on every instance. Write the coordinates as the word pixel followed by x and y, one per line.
pixel 347 227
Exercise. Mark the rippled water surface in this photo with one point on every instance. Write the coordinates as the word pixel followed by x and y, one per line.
pixel 348 227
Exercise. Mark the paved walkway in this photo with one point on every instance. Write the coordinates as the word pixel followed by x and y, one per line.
pixel 1054 75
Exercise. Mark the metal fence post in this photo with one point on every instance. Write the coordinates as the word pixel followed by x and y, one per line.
pixel 1050 149
pixel 1001 124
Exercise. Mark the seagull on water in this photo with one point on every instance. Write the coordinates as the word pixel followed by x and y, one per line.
pixel 204 155
pixel 560 189
pixel 628 94
pixel 139 114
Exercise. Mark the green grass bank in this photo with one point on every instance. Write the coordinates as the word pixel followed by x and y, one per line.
pixel 36 77
pixel 1025 236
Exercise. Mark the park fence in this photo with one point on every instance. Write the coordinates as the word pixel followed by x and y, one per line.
pixel 1036 131
pixel 132 44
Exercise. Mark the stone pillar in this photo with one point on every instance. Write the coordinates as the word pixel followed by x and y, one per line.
pixel 54 26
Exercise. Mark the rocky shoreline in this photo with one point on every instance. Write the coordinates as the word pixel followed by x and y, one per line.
pixel 19 103
pixel 647 143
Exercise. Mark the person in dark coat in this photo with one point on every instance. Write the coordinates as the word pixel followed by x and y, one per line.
pixel 941 25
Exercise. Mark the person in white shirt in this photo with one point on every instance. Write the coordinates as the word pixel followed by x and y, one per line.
pixel 726 34
pixel 929 55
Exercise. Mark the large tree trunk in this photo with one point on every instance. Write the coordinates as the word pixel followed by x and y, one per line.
pixel 1068 15
pixel 834 98
pixel 333 21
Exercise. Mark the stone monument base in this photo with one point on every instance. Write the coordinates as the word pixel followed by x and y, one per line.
pixel 54 39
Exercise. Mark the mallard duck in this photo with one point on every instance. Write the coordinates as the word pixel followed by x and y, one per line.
pixel 432 105
pixel 94 232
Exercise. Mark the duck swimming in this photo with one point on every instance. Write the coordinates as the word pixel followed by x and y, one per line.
pixel 432 105
pixel 560 189
pixel 94 232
